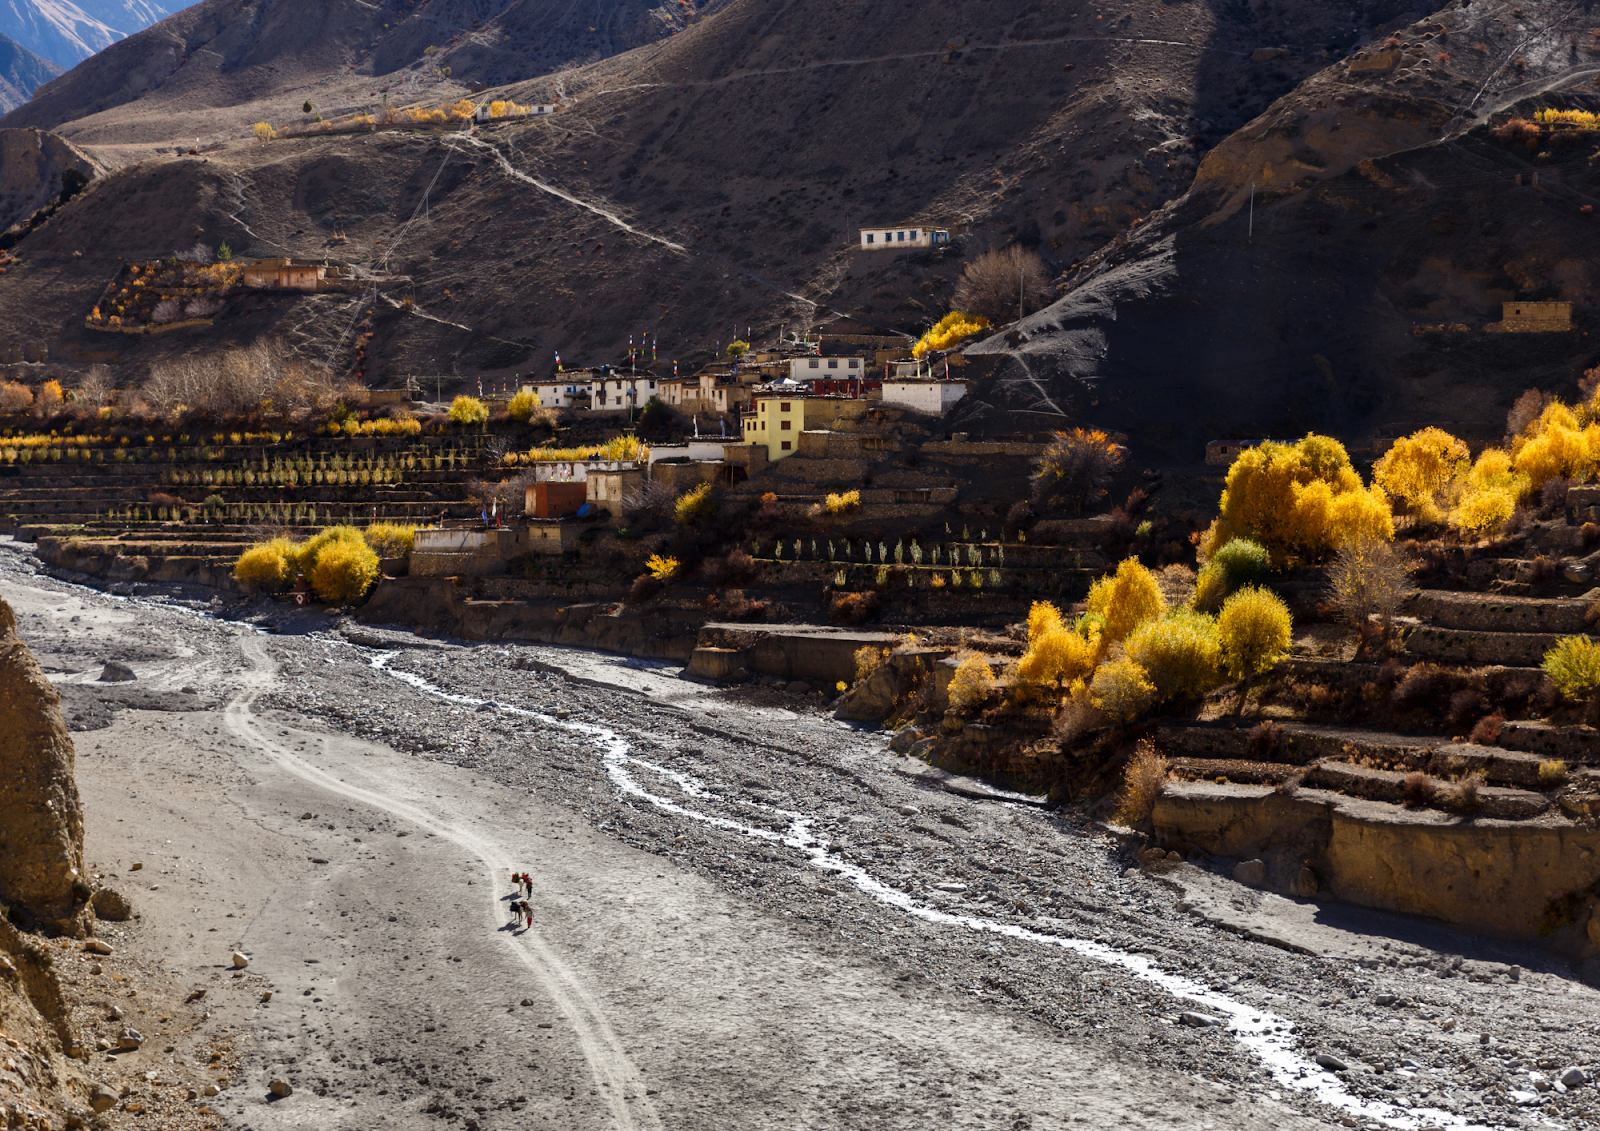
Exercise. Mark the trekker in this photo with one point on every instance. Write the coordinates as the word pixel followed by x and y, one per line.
pixel 527 884
pixel 528 908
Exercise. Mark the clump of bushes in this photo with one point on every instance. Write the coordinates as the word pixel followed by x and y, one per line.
pixel 391 539
pixel 1239 563
pixel 1142 782
pixel 695 505
pixel 841 503
pixel 662 569
pixel 1057 655
pixel 970 685
pixel 467 410
pixel 1298 501
pixel 1075 469
pixel 1121 690
pixel 1181 653
pixel 1574 667
pixel 339 563
pixel 853 608
pixel 266 567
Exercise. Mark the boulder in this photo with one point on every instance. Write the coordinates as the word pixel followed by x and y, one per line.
pixel 98 946
pixel 41 820
pixel 281 1088
pixel 102 1098
pixel 111 905
pixel 240 961
pixel 130 1038
pixel 116 671
pixel 1251 873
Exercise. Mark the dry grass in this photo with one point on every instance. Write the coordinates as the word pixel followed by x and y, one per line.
pixel 1552 773
pixel 1418 789
pixel 1142 782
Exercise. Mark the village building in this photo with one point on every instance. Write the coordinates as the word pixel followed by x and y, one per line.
pixel 813 368
pixel 930 395
pixel 614 391
pixel 776 420
pixel 1532 318
pixel 564 390
pixel 902 239
pixel 293 275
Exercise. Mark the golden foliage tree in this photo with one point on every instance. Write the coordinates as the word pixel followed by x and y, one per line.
pixel 1419 468
pixel 1181 653
pixel 1298 500
pixel 1255 630
pixel 1125 599
pixel 948 331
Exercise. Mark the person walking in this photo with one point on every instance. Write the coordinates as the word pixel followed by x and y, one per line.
pixel 528 909
pixel 527 884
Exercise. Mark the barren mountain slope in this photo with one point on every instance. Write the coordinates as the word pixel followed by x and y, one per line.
pixel 1378 209
pixel 21 73
pixel 271 54
pixel 709 182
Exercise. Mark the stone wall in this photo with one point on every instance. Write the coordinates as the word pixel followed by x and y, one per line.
pixel 1525 880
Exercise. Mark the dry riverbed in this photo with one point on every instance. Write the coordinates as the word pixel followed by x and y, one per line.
pixel 745 914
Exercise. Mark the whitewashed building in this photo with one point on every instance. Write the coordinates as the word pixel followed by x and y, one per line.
pixel 819 368
pixel 933 397
pixel 618 392
pixel 902 238
pixel 561 391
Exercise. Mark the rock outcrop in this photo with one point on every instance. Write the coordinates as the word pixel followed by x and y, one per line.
pixel 41 820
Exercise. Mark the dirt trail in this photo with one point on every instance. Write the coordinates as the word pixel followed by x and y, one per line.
pixel 613 1071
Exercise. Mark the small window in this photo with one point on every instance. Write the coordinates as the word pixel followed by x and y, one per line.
pixel 833 363
pixel 783 407
pixel 854 363
pixel 787 445
pixel 784 427
pixel 869 237
pixel 812 364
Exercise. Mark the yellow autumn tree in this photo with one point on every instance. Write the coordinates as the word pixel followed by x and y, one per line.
pixel 1125 599
pixel 1419 468
pixel 1297 500
pixel 264 132
pixel 949 330
pixel 1489 493
pixel 1556 445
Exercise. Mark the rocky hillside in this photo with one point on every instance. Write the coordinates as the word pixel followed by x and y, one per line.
pixel 1337 256
pixel 21 73
pixel 727 164
pixel 42 883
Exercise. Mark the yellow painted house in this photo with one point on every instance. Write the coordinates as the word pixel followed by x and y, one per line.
pixel 777 419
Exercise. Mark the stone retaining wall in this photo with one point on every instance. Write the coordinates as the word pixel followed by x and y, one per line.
pixel 1528 880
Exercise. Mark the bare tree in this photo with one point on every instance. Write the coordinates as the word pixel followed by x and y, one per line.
pixel 1525 410
pixel 95 389
pixel 1370 575
pixel 653 500
pixel 199 253
pixel 1003 285
pixel 1074 469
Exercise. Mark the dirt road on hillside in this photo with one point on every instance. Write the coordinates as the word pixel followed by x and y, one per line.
pixel 745 915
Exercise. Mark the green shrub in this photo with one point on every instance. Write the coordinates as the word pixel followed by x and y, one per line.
pixel 468 410
pixel 1181 653
pixel 1255 630
pixel 1574 666
pixel 344 571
